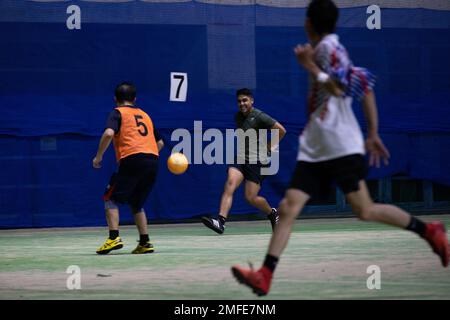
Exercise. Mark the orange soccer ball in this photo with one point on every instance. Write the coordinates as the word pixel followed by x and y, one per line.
pixel 177 163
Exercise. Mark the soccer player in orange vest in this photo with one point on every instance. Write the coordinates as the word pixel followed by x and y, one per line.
pixel 137 144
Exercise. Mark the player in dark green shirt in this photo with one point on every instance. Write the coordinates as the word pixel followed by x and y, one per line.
pixel 248 163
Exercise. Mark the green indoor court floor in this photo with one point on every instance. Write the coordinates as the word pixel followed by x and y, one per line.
pixel 325 259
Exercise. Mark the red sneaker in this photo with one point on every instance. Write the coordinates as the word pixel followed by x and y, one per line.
pixel 436 236
pixel 259 281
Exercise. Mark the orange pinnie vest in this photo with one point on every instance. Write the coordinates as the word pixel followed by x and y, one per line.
pixel 136 133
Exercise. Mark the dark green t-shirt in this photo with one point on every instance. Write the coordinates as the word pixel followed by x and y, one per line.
pixel 256 120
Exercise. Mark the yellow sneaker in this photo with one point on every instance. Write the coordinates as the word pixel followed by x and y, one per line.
pixel 110 245
pixel 147 248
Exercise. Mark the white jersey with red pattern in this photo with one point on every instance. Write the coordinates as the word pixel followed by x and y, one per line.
pixel 332 130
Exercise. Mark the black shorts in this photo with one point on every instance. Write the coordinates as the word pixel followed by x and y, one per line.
pixel 315 178
pixel 134 180
pixel 251 171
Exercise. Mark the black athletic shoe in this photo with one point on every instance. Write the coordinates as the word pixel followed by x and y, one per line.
pixel 214 224
pixel 274 218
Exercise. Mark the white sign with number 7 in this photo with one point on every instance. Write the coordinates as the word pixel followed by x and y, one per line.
pixel 178 86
